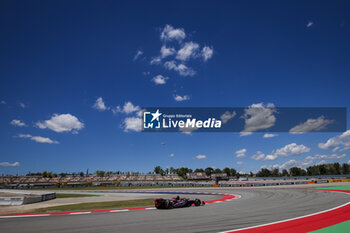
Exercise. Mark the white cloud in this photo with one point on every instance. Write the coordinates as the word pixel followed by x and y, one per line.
pixel 311 125
pixel 187 51
pixel 288 150
pixel 188 130
pixel 3 102
pixel 340 142
pixel 309 24
pixel 182 69
pixel 270 135
pixel 38 139
pixel 180 98
pixel 171 155
pixel 243 134
pixel 170 33
pixel 22 105
pixel 62 123
pixel 258 156
pixel 241 153
pixel 240 162
pixel 321 162
pixel 99 104
pixel 259 116
pixel 127 108
pixel 132 124
pixel 146 73
pixel 7 164
pixel 207 53
pixel 201 157
pixel 18 123
pixel 155 60
pixel 165 51
pixel 137 55
pixel 331 156
pixel 227 116
pixel 159 79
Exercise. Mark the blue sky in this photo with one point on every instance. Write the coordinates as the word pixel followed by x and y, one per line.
pixel 59 57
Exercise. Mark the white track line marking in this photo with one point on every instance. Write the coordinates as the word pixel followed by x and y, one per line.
pixel 150 208
pixel 115 211
pixel 23 216
pixel 85 212
pixel 286 220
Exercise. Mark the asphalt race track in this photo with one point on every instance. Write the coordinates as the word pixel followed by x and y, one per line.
pixel 255 207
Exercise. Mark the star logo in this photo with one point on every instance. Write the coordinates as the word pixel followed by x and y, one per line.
pixel 156 115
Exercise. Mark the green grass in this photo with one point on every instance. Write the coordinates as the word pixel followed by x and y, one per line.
pixel 338 228
pixel 69 195
pixel 345 187
pixel 100 205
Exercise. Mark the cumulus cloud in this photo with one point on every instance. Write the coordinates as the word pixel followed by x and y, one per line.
pixel 258 156
pixel 22 105
pixel 165 51
pixel 341 142
pixel 159 79
pixel 240 162
pixel 138 55
pixel 62 123
pixel 187 51
pixel 182 69
pixel 127 108
pixel 180 98
pixel 99 104
pixel 172 155
pixel 241 153
pixel 227 116
pixel 18 123
pixel 288 150
pixel 3 102
pixel 309 24
pixel 270 135
pixel 201 157
pixel 132 124
pixel 170 33
pixel 310 125
pixel 38 139
pixel 207 53
pixel 7 164
pixel 259 116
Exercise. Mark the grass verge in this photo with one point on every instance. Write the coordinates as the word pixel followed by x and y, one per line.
pixel 99 205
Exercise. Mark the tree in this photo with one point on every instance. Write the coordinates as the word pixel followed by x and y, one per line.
pixel 157 169
pixel 233 172
pixel 81 174
pixel 199 170
pixel 209 171
pixel 285 172
pixel 297 171
pixel 227 171
pixel 337 168
pixel 100 173
pixel 275 172
pixel 345 168
pixel 217 170
pixel 264 172
pixel 44 174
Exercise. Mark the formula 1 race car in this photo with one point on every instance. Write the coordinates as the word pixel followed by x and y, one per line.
pixel 176 202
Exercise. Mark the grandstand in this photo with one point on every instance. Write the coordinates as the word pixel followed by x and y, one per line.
pixel 38 181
